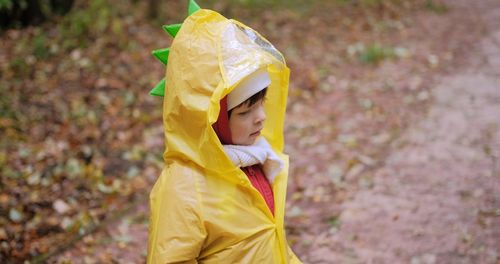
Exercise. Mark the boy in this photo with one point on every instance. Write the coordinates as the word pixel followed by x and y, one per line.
pixel 221 196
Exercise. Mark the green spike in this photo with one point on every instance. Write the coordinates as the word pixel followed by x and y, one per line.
pixel 159 89
pixel 172 29
pixel 162 55
pixel 193 7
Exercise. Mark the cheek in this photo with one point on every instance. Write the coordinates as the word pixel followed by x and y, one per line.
pixel 237 127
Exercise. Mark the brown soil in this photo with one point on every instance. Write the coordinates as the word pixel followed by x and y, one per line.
pixel 391 163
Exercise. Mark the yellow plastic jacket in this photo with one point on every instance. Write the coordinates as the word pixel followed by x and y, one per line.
pixel 203 208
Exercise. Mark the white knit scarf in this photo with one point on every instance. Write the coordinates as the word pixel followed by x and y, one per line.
pixel 258 153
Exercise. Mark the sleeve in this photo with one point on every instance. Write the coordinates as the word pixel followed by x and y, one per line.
pixel 176 231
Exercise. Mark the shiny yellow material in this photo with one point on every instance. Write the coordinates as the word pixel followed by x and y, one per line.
pixel 203 208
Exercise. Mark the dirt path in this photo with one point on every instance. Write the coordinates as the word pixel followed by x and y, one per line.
pixel 437 198
pixel 434 199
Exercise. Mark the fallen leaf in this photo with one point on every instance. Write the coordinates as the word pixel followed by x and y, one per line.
pixel 60 206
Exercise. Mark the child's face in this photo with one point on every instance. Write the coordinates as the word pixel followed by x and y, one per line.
pixel 246 123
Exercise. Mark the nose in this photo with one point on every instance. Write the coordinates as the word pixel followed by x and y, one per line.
pixel 260 114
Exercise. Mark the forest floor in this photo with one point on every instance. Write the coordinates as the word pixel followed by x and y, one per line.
pixel 435 197
pixel 432 196
pixel 393 132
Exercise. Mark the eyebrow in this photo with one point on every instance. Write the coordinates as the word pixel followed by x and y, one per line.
pixel 241 110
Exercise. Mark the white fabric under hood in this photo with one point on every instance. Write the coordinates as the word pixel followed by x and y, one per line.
pixel 258 153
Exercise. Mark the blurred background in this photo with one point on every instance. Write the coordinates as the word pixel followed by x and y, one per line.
pixel 392 126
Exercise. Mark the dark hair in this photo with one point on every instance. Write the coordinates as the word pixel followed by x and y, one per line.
pixel 250 101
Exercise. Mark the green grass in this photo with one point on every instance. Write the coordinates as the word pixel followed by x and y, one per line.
pixel 436 7
pixel 376 53
pixel 41 50
pixel 80 26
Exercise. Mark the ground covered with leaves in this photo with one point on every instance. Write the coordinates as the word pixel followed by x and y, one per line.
pixel 82 140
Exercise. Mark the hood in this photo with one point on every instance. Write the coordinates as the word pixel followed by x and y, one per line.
pixel 209 56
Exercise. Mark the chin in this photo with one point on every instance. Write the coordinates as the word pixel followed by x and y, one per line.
pixel 249 142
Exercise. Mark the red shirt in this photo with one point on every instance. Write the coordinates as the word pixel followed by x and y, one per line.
pixel 259 181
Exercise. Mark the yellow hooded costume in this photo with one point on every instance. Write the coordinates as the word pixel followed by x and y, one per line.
pixel 203 208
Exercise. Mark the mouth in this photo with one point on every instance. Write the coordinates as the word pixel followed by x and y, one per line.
pixel 255 133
